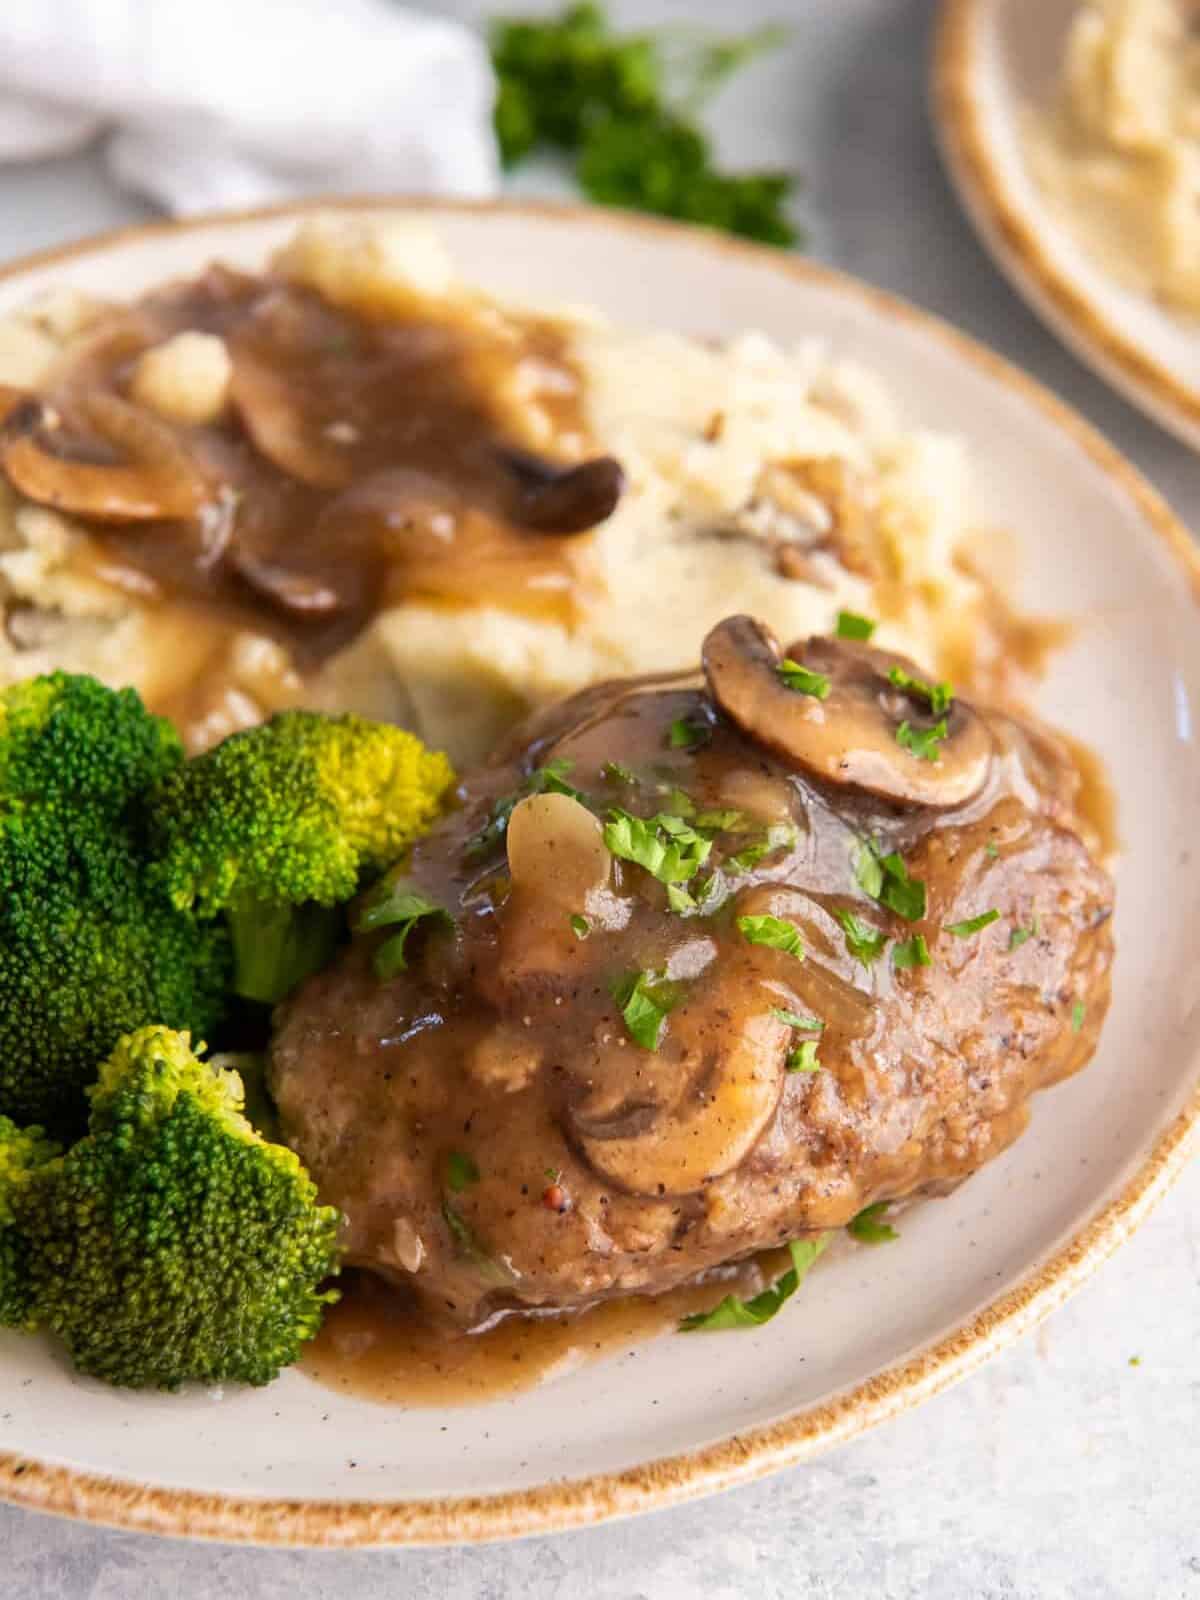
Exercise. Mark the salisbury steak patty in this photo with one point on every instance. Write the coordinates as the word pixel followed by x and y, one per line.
pixel 836 932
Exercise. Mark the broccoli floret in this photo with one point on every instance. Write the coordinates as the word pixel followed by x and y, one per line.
pixel 90 946
pixel 67 739
pixel 283 822
pixel 172 1243
pixel 22 1152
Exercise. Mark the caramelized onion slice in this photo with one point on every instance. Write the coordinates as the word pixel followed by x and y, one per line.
pixel 850 735
pixel 132 468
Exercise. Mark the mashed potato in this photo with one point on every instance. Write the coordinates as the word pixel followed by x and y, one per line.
pixel 1119 153
pixel 761 479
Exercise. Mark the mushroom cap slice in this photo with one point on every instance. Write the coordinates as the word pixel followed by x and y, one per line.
pixel 850 735
pixel 729 1084
pixel 136 469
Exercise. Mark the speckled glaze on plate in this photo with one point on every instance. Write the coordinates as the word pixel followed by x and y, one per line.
pixel 993 60
pixel 876 1330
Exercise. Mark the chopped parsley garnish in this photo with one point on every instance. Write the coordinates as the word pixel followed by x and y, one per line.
pixel 851 626
pixel 461 1172
pixel 779 836
pixel 973 925
pixel 618 773
pixel 922 742
pixel 792 1019
pixel 886 879
pixel 398 905
pixel 868 1226
pixel 938 696
pixel 912 952
pixel 865 943
pixel 868 868
pixel 804 1058
pixel 687 734
pixel 720 821
pixel 1078 1012
pixel 773 932
pixel 470 1249
pixel 801 679
pixel 550 779
pixel 991 849
pixel 734 1312
pixel 1019 935
pixel 665 845
pixel 644 1003
pixel 580 926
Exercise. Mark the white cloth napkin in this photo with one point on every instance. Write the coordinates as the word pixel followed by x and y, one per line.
pixel 208 104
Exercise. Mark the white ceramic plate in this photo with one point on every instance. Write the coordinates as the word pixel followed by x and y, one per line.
pixel 876 1330
pixel 992 60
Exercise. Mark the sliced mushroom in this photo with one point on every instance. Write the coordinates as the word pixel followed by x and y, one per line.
pixel 728 1088
pixel 127 467
pixel 273 414
pixel 850 735
pixel 557 499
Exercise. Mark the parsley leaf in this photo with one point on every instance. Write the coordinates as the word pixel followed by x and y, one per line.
pixel 1019 935
pixel 886 879
pixel 804 1058
pixel 580 926
pixel 617 772
pixel 793 1020
pixel 938 696
pixel 991 849
pixel 868 1226
pixel 644 1003
pixel 865 943
pixel 851 626
pixel 550 779
pixel 720 821
pixel 687 734
pixel 396 904
pixel 779 835
pixel 1078 1012
pixel 868 868
pixel 912 952
pixel 666 846
pixel 801 679
pixel 923 742
pixel 679 900
pixel 461 1172
pixel 973 925
pixel 773 932
pixel 470 1249
pixel 734 1312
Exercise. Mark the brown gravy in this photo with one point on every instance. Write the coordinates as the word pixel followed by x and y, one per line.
pixel 359 460
pixel 375 1344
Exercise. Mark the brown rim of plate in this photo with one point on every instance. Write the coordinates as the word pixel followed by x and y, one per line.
pixel 1005 225
pixel 743 1457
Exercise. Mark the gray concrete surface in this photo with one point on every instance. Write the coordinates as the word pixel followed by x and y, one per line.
pixel 1068 1468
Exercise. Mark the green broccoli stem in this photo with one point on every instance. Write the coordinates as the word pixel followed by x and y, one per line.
pixel 276 946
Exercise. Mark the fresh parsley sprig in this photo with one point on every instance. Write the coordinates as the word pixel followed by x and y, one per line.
pixel 623 107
